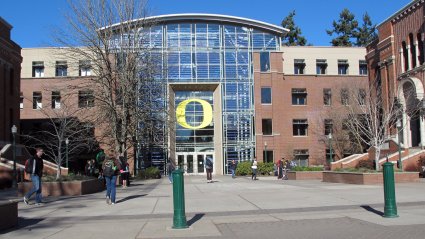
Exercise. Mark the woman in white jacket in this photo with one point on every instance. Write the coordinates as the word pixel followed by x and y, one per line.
pixel 254 169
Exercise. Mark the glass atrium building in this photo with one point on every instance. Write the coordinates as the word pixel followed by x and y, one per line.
pixel 208 62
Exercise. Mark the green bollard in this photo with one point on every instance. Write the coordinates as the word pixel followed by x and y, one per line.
pixel 390 209
pixel 179 219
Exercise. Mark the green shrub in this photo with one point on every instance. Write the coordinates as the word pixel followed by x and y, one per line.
pixel 265 168
pixel 367 164
pixel 244 168
pixel 150 173
pixel 65 178
pixel 304 168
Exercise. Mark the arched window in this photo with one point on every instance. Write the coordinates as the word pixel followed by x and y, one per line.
pixel 405 56
pixel 412 50
pixel 421 48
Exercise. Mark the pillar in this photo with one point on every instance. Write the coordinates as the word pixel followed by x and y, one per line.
pixel 401 60
pixel 409 57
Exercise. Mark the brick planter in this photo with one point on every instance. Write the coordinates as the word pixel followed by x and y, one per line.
pixel 71 188
pixel 305 175
pixel 9 214
pixel 367 178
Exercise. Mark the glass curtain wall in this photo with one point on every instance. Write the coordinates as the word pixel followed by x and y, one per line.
pixel 212 53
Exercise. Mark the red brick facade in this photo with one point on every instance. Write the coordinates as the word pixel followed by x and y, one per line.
pixel 10 71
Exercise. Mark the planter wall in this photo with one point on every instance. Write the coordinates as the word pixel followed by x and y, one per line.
pixel 305 175
pixel 9 214
pixel 367 178
pixel 72 188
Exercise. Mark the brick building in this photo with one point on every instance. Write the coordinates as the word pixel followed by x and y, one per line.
pixel 264 100
pixel 295 102
pixel 10 70
pixel 396 63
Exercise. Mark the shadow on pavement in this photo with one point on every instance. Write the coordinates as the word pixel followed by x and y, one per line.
pixel 370 209
pixel 131 197
pixel 195 218
pixel 22 223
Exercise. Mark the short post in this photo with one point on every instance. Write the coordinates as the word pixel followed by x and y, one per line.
pixel 14 182
pixel 179 219
pixel 390 208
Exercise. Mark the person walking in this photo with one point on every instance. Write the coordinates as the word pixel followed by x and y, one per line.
pixel 286 167
pixel 170 169
pixel 110 168
pixel 232 167
pixel 34 166
pixel 125 172
pixel 209 165
pixel 254 169
pixel 279 168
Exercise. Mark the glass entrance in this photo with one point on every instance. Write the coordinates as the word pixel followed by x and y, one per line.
pixel 193 163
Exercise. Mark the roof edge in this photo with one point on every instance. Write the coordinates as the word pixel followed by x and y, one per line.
pixel 213 17
pixel 399 11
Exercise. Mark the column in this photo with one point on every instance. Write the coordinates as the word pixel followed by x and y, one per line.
pixel 402 60
pixel 423 44
pixel 409 57
pixel 418 62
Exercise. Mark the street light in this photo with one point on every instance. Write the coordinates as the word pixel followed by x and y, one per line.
pixel 66 154
pixel 14 131
pixel 265 151
pixel 398 125
pixel 330 149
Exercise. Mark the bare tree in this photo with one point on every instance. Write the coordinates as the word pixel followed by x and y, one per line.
pixel 114 37
pixel 372 118
pixel 62 121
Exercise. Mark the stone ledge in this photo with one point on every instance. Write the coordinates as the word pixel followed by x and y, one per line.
pixel 71 188
pixel 8 214
pixel 368 178
pixel 305 175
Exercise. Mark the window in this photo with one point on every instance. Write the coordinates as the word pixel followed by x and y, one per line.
pixel 37 100
pixel 345 100
pixel 37 69
pixel 327 96
pixel 85 99
pixel 21 102
pixel 265 61
pixel 362 67
pixel 268 156
pixel 85 68
pixel 421 49
pixel 362 96
pixel 321 66
pixel 299 96
pixel 342 67
pixel 266 95
pixel 56 100
pixel 405 56
pixel 412 50
pixel 299 65
pixel 300 127
pixel 61 68
pixel 267 126
pixel 328 126
pixel 301 157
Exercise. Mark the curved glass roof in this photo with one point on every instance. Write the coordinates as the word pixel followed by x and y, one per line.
pixel 187 17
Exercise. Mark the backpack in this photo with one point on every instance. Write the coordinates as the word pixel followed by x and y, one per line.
pixel 28 168
pixel 108 168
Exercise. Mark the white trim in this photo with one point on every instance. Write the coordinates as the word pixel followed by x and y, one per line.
pixel 209 17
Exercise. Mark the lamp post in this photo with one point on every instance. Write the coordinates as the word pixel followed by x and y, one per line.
pixel 398 125
pixel 265 151
pixel 14 131
pixel 330 149
pixel 66 152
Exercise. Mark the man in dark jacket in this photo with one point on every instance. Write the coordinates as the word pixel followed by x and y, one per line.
pixel 35 169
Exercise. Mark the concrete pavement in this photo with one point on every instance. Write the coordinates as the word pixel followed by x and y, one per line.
pixel 229 208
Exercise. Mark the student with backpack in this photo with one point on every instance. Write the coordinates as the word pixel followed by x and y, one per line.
pixel 111 168
pixel 34 167
pixel 209 165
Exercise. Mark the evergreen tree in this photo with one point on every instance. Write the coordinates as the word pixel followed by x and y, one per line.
pixel 293 37
pixel 367 32
pixel 344 29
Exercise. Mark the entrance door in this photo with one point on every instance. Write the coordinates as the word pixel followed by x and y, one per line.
pixel 193 163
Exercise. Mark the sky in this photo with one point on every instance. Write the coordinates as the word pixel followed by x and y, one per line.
pixel 33 20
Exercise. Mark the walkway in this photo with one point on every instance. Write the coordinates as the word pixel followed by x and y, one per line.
pixel 230 208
